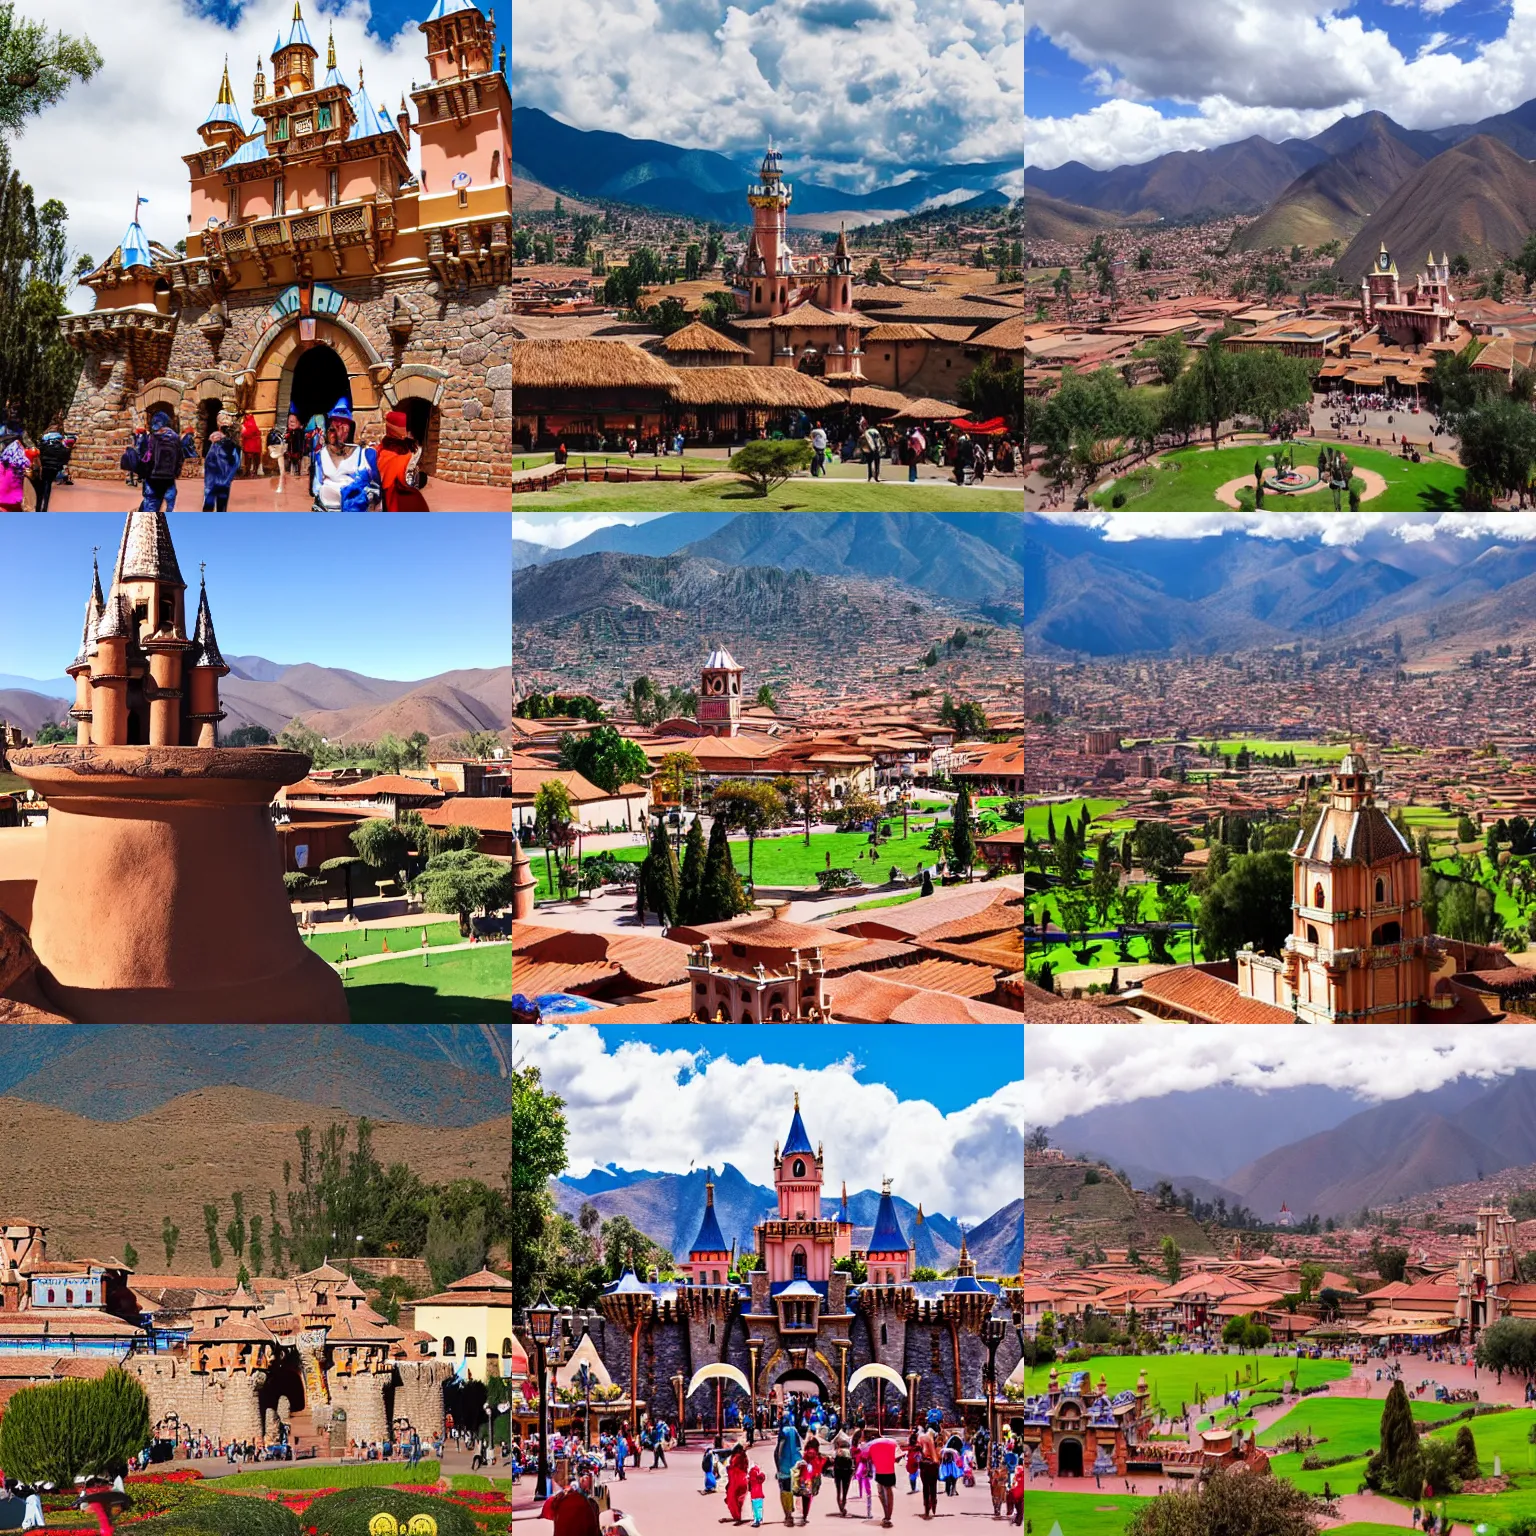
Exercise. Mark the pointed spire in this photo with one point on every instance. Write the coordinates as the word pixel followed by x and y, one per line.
pixel 94 604
pixel 226 96
pixel 330 52
pixel 205 646
pixel 359 77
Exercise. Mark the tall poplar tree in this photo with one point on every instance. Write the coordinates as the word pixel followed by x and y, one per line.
pixel 962 848
pixel 690 890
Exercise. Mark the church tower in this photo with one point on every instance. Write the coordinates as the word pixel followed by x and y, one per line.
pixel 720 695
pixel 1358 952
pixel 463 115
pixel 799 1244
pixel 770 267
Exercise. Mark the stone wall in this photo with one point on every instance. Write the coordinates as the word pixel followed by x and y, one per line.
pixel 362 1395
pixel 215 1403
pixel 419 1393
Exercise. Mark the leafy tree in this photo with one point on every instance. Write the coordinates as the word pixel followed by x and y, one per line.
pixel 464 882
pixel 454 1248
pixel 721 896
pixel 211 1227
pixel 1466 1452
pixel 1497 446
pixel 1104 882
pixel 255 1247
pixel 298 737
pixel 1507 1345
pixel 130 1255
pixel 346 864
pixel 1160 849
pixel 381 845
pixel 766 465
pixel 659 884
pixel 1466 911
pixel 606 758
pixel 234 1233
pixel 1391 1262
pixel 994 388
pixel 539 1134
pixel 1250 905
pixel 1397 1466
pixel 751 807
pixel 170 1235
pixel 1212 386
pixel 553 815
pixel 74 1428
pixel 249 736
pixel 1173 1260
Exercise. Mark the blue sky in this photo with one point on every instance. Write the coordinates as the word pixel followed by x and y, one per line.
pixel 1125 80
pixel 405 596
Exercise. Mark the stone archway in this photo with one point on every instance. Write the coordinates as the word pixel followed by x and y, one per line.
pixel 276 358
pixel 1069 1458
pixel 417 390
pixel 162 394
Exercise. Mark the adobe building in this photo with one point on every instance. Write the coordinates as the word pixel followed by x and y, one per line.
pixel 1073 1430
pixel 160 897
pixel 321 263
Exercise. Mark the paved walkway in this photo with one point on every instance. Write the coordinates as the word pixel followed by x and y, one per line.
pixel 416 949
pixel 262 496
pixel 1227 494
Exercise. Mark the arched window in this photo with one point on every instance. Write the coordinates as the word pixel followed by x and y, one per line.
pixel 449 1348
pixel 1311 933
pixel 799 1263
pixel 495 165
pixel 69 1298
pixel 1381 890
pixel 470 1349
pixel 50 1293
pixel 711 1333
pixel 799 1168
pixel 1388 933
pixel 506 1349
pixel 1317 894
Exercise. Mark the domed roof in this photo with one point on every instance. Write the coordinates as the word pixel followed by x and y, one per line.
pixel 721 658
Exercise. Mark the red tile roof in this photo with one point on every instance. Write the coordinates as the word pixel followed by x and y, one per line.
pixel 1210 1000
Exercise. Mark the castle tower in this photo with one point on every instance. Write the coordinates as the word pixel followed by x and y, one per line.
pixel 720 694
pixel 889 1257
pixel 208 666
pixel 80 668
pixel 1358 951
pixel 769 198
pixel 799 1243
pixel 223 126
pixel 709 1260
pixel 463 115
pixel 835 290
pixel 293 61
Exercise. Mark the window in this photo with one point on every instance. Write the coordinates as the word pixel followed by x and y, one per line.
pixel 495 165
pixel 1317 894
pixel 506 1349
pixel 463 197
pixel 449 1347
pixel 1311 933
pixel 69 1298
pixel 799 1167
pixel 50 1293
pixel 883 1339
pixel 279 195
pixel 1381 890
pixel 322 118
pixel 470 1348
pixel 234 204
pixel 799 1263
pixel 334 191
pixel 280 128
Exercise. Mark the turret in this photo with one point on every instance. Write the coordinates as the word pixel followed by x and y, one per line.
pixel 223 126
pixel 259 89
pixel 293 61
pixel 208 666
pixel 461 39
pixel 80 667
pixel 709 1258
pixel 889 1257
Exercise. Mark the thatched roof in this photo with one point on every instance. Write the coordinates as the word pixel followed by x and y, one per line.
pixel 928 409
pixel 873 398
pixel 584 364
pixel 899 331
pixel 698 337
pixel 769 387
pixel 1007 337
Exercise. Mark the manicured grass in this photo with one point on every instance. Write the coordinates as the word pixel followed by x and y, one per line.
pixel 1186 481
pixel 1345 1424
pixel 1106 953
pixel 1080 1514
pixel 371 1474
pixel 370 941
pixel 888 901
pixel 641 463
pixel 1100 816
pixel 1306 751
pixel 798 495
pixel 1178 1380
pixel 470 986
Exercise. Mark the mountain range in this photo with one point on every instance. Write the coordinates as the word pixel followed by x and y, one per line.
pixel 1085 594
pixel 669 1208
pixel 1462 1131
pixel 703 184
pixel 970 558
pixel 342 705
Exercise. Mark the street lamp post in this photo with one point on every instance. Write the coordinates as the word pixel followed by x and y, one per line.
pixel 541 1325
pixel 993 1331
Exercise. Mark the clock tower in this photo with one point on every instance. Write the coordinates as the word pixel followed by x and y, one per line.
pixel 720 694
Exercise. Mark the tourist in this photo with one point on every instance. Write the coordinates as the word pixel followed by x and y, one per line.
pixel 1016 1494
pixel 786 1456
pixel 158 456
pixel 53 454
pixel 621 1453
pixel 818 450
pixel 277 451
pixel 736 1482
pixel 916 444
pixel 949 1470
pixel 842 1469
pixel 346 474
pixel 802 1483
pixel 573 1509
pixel 708 1464
pixel 400 471
pixel 250 445
pixel 755 1484
pixel 863 1472
pixel 294 441
pixel 914 1455
pixel 928 1470
pixel 221 464
pixel 882 1457
pixel 997 1484
pixel 659 1446
pixel 872 450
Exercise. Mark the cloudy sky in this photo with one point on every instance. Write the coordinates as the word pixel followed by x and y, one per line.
pixel 266 580
pixel 127 130
pixel 556 530
pixel 673 1099
pixel 853 90
pixel 1072 1069
pixel 1121 81
pixel 1342 528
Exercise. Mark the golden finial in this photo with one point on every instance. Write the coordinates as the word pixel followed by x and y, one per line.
pixel 330 60
pixel 359 77
pixel 298 11
pixel 797 1098
pixel 226 96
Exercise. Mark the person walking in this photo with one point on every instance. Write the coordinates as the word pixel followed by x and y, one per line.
pixel 872 449
pixel 250 445
pixel 277 452
pixel 14 467
pixel 916 444
pixel 842 1469
pixel 786 1456
pixel 659 1446
pixel 756 1482
pixel 159 455
pixel 221 464
pixel 882 1456
pixel 400 471
pixel 818 450
pixel 53 455
pixel 621 1452
pixel 928 1470
pixel 294 442
pixel 736 1478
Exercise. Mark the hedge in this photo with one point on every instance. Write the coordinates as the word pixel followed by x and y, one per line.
pixel 347 1512
pixel 222 1514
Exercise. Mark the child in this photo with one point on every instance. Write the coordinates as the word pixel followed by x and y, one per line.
pixel 1016 1494
pixel 949 1470
pixel 998 1484
pixel 801 1486
pixel 863 1479
pixel 221 464
pixel 709 1469
pixel 914 1461
pixel 755 1493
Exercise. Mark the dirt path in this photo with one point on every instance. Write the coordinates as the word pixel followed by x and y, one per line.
pixel 1226 494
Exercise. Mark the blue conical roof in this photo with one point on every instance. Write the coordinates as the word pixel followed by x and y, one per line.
pixel 450 7
pixel 798 1141
pixel 710 1238
pixel 135 248
pixel 370 119
pixel 888 1236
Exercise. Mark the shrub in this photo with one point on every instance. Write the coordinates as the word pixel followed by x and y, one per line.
pixel 768 464
pixel 1118 499
pixel 347 1512
pixel 220 1514
pixel 67 1429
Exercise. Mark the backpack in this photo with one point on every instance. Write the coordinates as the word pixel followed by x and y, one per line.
pixel 165 456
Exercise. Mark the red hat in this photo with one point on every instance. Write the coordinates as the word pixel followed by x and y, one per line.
pixel 397 425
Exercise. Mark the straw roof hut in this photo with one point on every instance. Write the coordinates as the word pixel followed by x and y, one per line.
pixel 891 330
pixel 927 409
pixel 871 397
pixel 697 346
pixel 585 364
pixel 768 388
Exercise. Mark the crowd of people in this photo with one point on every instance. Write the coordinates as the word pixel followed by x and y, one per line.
pixel 30 470
pixel 811 1447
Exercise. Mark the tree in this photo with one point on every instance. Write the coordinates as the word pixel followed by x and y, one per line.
pixel 691 884
pixel 1497 446
pixel 539 1134
pixel 552 818
pixel 1249 906
pixel 1507 1345
pixel 454 1248
pixel 1396 1467
pixel 659 884
pixel 464 882
pixel 255 1247
pixel 1160 849
pixel 1230 1500
pixel 1270 384
pixel 211 1227
pixel 751 807
pixel 170 1235
pixel 1104 882
pixel 346 864
pixel 1169 353
pixel 249 736
pixel 1213 386
pixel 767 465
pixel 606 758
pixel 963 845
pixel 75 1429
pixel 234 1233
pixel 721 896
pixel 994 388
pixel 765 697
pixel 1173 1260
pixel 1466 1452
pixel 1247 1332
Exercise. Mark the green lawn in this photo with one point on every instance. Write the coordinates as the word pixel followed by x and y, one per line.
pixel 1306 751
pixel 1099 816
pixel 1178 1380
pixel 641 464
pixel 370 941
pixel 1080 1514
pixel 799 495
pixel 469 986
pixel 1186 480
pixel 369 1475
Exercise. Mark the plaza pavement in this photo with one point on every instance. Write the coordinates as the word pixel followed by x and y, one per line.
pixel 261 496
pixel 669 1502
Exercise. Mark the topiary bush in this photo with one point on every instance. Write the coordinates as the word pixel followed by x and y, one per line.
pixel 62 1430
pixel 348 1511
pixel 203 1513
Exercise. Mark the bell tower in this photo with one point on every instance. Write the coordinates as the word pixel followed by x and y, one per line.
pixel 720 694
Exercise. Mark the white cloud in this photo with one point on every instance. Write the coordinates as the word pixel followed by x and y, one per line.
pixel 873 86
pixel 556 530
pixel 1434 41
pixel 644 1106
pixel 1222 59
pixel 127 129
pixel 1072 1069
pixel 1336 528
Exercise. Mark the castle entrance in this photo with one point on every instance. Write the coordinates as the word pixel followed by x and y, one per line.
pixel 1069 1458
pixel 423 416
pixel 798 1383
pixel 319 380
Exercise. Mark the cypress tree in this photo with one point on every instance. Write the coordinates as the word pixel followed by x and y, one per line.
pixel 963 844
pixel 1466 1452
pixel 1050 825
pixel 1399 1445
pixel 690 891
pixel 721 895
pixel 666 881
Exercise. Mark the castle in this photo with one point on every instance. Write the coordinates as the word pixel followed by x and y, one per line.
pixel 799 1323
pixel 1425 312
pixel 318 264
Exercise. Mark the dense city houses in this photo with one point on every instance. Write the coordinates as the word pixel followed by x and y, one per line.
pixel 320 265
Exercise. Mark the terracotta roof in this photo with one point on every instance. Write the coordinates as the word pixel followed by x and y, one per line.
pixel 1208 999
pixel 673 1005
pixel 765 932
pixel 487 812
pixel 866 997
pixel 535 979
